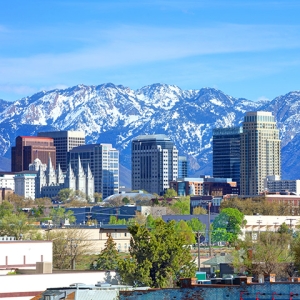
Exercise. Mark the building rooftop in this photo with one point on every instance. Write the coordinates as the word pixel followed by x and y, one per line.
pixel 90 147
pixel 152 137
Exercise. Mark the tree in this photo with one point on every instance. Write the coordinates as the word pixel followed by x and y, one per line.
pixel 258 205
pixel 227 225
pixel 125 200
pixel 114 221
pixel 150 221
pixel 158 258
pixel 196 225
pixel 65 194
pixel 199 211
pixel 185 231
pixel 18 226
pixel 19 202
pixel 182 206
pixel 69 246
pixel 284 228
pixel 98 197
pixel 269 253
pixel 109 257
pixel 59 215
pixel 6 208
pixel 170 193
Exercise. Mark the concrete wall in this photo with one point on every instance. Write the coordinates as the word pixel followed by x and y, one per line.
pixel 24 254
pixel 283 291
pixel 12 286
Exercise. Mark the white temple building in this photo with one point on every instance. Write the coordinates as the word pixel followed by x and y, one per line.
pixel 49 181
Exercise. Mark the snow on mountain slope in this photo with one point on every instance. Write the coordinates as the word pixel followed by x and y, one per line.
pixel 116 114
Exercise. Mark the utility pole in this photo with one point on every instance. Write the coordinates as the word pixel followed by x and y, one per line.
pixel 73 253
pixel 198 240
pixel 259 222
pixel 275 225
pixel 291 220
pixel 209 232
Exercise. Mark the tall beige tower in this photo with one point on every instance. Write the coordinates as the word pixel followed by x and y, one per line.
pixel 260 151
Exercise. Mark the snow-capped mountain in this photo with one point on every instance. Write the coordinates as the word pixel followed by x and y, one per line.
pixel 115 114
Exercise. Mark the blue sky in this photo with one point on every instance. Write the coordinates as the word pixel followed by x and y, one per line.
pixel 248 49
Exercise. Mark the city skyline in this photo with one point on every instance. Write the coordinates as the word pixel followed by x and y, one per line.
pixel 246 49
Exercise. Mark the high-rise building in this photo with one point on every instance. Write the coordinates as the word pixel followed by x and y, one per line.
pixel 64 141
pixel 154 163
pixel 103 160
pixel 28 148
pixel 226 153
pixel 182 167
pixel 260 151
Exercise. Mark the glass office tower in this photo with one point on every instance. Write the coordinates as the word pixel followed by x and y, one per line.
pixel 226 153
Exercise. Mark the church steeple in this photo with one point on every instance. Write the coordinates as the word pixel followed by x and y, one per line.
pixel 59 175
pixel 50 173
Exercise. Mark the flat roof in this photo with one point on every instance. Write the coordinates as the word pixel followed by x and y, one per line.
pixel 152 137
pixel 35 137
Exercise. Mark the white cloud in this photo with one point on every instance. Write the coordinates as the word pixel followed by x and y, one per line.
pixel 132 45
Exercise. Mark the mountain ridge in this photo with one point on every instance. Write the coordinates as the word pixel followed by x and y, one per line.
pixel 115 114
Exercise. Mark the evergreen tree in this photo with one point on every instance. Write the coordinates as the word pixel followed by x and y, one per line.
pixel 109 257
pixel 158 257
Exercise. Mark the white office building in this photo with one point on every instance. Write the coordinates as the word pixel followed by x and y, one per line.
pixel 25 184
pixel 7 181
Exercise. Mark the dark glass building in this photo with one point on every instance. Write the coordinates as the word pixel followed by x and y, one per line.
pixel 183 167
pixel 226 153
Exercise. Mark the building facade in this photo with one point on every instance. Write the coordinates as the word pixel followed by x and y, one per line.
pixel 49 182
pixel 204 185
pixel 183 167
pixel 103 160
pixel 260 151
pixel 64 141
pixel 7 180
pixel 28 148
pixel 226 153
pixel 154 161
pixel 25 184
pixel 273 184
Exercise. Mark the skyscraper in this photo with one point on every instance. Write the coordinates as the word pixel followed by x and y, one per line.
pixel 182 167
pixel 103 160
pixel 28 148
pixel 226 153
pixel 154 163
pixel 260 151
pixel 64 141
